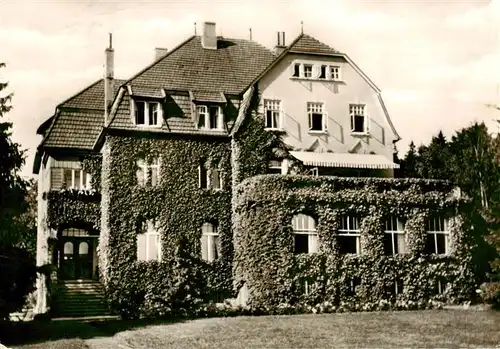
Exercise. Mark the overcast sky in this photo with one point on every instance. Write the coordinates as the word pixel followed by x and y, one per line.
pixel 437 63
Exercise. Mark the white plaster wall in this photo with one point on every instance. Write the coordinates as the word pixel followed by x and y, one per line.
pixel 336 96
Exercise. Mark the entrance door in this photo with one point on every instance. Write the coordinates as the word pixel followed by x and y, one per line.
pixel 76 258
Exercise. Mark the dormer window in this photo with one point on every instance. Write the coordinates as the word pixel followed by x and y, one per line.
pixel 147 113
pixel 334 73
pixel 358 118
pixel 308 71
pixel 210 117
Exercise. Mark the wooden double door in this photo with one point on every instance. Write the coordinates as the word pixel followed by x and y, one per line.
pixel 76 257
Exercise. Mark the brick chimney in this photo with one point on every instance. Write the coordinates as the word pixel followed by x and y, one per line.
pixel 209 38
pixel 280 43
pixel 160 52
pixel 108 79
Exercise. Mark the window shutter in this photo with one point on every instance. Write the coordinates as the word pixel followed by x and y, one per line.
pixel 160 114
pixel 141 247
pixel 325 121
pixel 204 247
pixel 132 110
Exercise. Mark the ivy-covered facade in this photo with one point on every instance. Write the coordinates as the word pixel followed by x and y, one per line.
pixel 184 192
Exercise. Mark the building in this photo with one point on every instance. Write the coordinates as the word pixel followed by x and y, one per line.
pixel 141 179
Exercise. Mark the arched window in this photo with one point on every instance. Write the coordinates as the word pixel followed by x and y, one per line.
pixel 148 242
pixel 305 234
pixel 83 248
pixel 210 248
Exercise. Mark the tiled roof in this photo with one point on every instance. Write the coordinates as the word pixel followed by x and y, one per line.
pixel 208 96
pixel 75 129
pixel 80 118
pixel 308 44
pixel 190 67
pixel 92 97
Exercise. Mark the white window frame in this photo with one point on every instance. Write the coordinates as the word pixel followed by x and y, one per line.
pixel 147 105
pixel 399 231
pixel 311 232
pixel 203 111
pixel 317 108
pixel 272 165
pixel 304 65
pixel 151 232
pixel 314 172
pixel 445 231
pixel 358 110
pixel 334 72
pixel 209 173
pixel 274 106
pixel 82 185
pixel 146 166
pixel 209 234
pixel 351 231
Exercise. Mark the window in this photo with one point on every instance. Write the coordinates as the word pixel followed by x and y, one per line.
pixel 76 179
pixel 334 73
pixel 305 235
pixel 317 117
pixel 148 173
pixel 148 242
pixel 209 117
pixel 314 172
pixel 296 70
pixel 395 288
pixel 349 235
pixel 74 232
pixel 147 113
pixel 272 112
pixel 308 71
pixel 322 72
pixel 358 118
pixel 438 236
pixel 209 178
pixel 210 246
pixel 352 286
pixel 274 167
pixel 394 238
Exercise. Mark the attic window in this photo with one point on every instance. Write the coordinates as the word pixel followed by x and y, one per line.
pixel 296 70
pixel 147 113
pixel 210 117
pixel 308 71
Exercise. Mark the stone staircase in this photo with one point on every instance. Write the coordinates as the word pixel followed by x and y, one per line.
pixel 80 298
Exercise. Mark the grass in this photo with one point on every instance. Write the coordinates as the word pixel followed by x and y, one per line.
pixel 444 329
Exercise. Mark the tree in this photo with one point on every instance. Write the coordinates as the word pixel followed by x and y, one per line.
pixel 409 163
pixel 17 268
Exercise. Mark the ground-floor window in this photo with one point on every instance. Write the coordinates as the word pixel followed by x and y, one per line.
pixel 349 235
pixel 210 245
pixel 305 234
pixel 438 236
pixel 394 237
pixel 148 242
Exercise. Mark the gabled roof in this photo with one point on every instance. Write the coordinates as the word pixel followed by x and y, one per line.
pixel 190 67
pixel 91 97
pixel 307 44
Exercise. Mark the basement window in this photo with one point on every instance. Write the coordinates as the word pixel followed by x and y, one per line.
pixel 305 234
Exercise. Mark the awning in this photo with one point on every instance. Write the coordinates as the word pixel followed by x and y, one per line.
pixel 344 160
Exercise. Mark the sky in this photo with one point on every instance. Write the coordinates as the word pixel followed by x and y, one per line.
pixel 437 62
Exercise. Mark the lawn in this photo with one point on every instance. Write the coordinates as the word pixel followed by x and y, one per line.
pixel 439 328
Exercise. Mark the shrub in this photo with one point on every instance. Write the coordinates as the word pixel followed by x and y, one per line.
pixel 490 293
